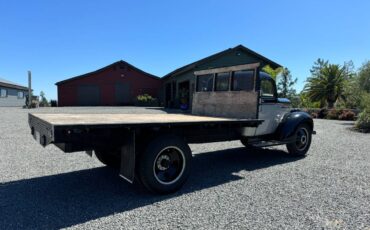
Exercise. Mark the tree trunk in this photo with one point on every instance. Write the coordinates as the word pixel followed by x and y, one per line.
pixel 330 104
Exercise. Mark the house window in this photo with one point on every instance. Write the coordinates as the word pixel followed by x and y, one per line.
pixel 222 82
pixel 3 93
pixel 205 83
pixel 20 95
pixel 243 80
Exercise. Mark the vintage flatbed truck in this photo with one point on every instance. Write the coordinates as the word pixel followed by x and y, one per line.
pixel 230 103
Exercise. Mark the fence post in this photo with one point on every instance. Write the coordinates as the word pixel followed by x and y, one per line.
pixel 29 90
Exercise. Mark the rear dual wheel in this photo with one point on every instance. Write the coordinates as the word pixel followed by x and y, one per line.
pixel 110 158
pixel 165 164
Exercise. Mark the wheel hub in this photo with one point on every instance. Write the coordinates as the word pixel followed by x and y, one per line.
pixel 163 162
pixel 169 165
pixel 302 139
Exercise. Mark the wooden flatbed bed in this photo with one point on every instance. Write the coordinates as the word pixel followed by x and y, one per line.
pixel 129 119
pixel 76 132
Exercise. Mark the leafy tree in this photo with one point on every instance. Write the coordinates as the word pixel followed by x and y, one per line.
pixel 305 102
pixel 43 101
pixel 285 84
pixel 364 77
pixel 318 65
pixel 352 94
pixel 363 121
pixel 272 72
pixel 327 82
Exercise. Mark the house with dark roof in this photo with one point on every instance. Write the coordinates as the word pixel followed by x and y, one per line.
pixel 12 94
pixel 116 84
pixel 120 83
pixel 178 86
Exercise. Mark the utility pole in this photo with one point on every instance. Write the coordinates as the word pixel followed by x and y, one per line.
pixel 29 90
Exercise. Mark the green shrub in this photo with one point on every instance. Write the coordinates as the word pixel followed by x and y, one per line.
pixel 322 113
pixel 53 103
pixel 144 98
pixel 333 114
pixel 314 115
pixel 365 101
pixel 347 115
pixel 363 121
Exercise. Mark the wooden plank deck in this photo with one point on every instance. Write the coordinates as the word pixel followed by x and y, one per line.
pixel 98 119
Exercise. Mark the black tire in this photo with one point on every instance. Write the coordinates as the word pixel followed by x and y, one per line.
pixel 303 137
pixel 244 141
pixel 165 164
pixel 109 158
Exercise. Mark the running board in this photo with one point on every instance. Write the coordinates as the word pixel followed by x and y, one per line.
pixel 268 143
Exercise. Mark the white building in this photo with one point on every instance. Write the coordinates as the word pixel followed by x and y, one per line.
pixel 12 94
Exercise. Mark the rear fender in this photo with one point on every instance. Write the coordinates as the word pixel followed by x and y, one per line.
pixel 289 124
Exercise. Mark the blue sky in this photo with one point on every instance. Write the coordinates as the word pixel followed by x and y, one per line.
pixel 61 39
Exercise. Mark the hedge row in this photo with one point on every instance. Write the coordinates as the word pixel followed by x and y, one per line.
pixel 333 114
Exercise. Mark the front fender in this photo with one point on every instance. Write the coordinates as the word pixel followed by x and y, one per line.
pixel 290 122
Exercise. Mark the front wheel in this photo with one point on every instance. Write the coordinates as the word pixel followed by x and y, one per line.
pixel 246 144
pixel 165 164
pixel 300 146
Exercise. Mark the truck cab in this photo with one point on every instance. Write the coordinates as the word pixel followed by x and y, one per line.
pixel 271 108
pixel 251 93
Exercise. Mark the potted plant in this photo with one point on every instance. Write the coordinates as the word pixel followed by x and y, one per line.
pixel 184 101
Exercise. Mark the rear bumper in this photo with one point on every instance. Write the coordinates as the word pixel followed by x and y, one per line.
pixel 41 131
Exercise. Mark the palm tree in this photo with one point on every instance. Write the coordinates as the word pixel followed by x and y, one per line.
pixel 327 84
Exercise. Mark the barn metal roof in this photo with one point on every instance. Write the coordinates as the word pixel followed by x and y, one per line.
pixel 104 68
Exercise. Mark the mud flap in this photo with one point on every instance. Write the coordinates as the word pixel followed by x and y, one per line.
pixel 127 167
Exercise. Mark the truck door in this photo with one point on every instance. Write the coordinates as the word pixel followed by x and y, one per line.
pixel 269 109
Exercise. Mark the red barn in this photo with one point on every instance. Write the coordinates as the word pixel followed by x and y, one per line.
pixel 113 85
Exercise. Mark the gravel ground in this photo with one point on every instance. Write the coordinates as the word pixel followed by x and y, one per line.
pixel 229 188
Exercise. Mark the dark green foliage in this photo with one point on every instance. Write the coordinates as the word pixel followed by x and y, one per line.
pixel 364 77
pixel 333 114
pixel 295 101
pixel 322 113
pixel 272 72
pixel 347 115
pixel 363 121
pixel 314 115
pixel 43 101
pixel 146 100
pixel 285 84
pixel 305 102
pixel 327 82
pixel 352 93
pixel 53 103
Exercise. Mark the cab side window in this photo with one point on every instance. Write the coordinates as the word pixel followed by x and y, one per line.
pixel 243 80
pixel 268 90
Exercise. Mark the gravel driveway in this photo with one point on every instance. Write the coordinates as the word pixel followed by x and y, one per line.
pixel 229 188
